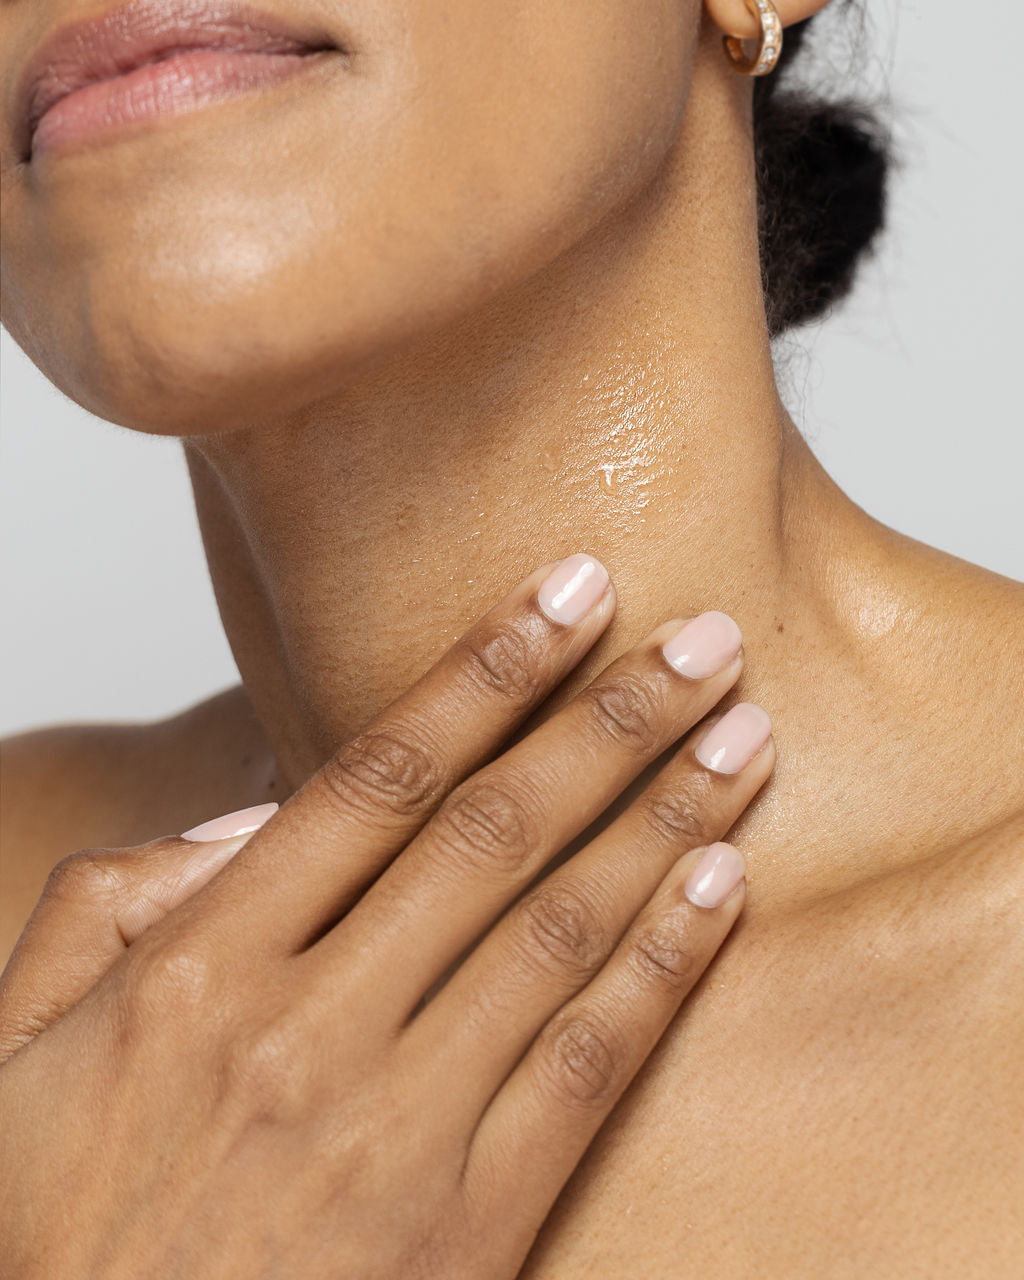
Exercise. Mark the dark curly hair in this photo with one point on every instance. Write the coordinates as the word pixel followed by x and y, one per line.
pixel 822 171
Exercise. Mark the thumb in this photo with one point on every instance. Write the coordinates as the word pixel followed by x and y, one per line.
pixel 96 903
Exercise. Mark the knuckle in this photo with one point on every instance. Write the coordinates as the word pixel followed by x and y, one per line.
pixel 502 659
pixel 625 711
pixel 585 1061
pixel 662 956
pixel 382 769
pixel 266 1073
pixel 88 874
pixel 680 814
pixel 169 980
pixel 485 823
pixel 561 929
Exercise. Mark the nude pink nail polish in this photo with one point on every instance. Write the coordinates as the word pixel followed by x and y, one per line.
pixel 239 823
pixel 572 588
pixel 735 739
pixel 718 872
pixel 705 645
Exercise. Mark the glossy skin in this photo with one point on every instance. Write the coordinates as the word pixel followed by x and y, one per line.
pixel 444 372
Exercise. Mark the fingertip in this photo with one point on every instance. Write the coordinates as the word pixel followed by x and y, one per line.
pixel 719 872
pixel 730 743
pixel 576 587
pixel 242 822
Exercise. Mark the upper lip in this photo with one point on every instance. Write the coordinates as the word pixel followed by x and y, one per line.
pixel 142 31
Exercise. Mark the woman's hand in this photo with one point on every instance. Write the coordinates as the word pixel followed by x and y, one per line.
pixel 220 1059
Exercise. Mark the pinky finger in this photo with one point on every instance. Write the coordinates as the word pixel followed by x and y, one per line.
pixel 544 1117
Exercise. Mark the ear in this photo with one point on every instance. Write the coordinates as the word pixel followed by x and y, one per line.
pixel 733 17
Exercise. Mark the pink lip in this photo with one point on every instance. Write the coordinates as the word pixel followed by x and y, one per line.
pixel 170 88
pixel 145 60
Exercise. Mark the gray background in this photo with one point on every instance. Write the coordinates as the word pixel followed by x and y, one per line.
pixel 910 396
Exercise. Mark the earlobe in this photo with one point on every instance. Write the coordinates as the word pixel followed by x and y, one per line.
pixel 737 18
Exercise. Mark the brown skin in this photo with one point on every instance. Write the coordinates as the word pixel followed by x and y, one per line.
pixel 396 409
pixel 341 1110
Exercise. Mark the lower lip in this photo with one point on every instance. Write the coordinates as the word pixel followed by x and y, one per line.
pixel 176 86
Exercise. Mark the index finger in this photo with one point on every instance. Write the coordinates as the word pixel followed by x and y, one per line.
pixel 300 873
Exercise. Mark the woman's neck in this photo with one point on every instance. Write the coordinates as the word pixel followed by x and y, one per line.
pixel 620 402
pixel 344 568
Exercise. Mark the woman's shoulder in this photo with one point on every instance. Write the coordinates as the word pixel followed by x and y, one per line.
pixel 112 784
pixel 848 1073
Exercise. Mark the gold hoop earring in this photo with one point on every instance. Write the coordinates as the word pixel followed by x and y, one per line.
pixel 769 46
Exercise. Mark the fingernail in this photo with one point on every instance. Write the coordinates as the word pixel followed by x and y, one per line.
pixel 719 871
pixel 572 588
pixel 705 645
pixel 735 739
pixel 239 823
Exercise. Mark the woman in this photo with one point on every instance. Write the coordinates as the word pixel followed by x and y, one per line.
pixel 465 293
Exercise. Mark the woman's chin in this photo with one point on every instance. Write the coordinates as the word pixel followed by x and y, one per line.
pixel 183 400
pixel 207 379
pixel 189 357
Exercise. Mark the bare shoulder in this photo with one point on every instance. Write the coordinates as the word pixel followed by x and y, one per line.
pixel 839 1097
pixel 109 785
